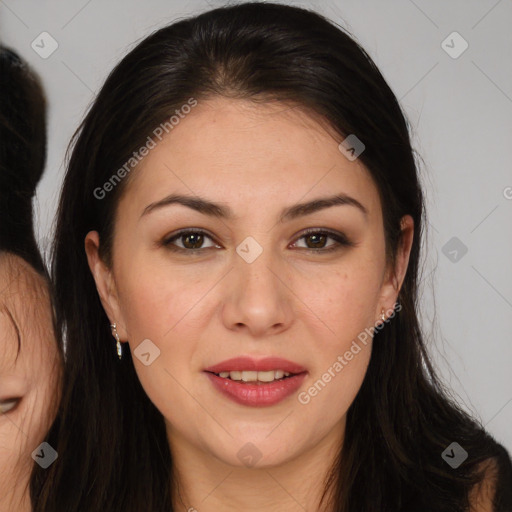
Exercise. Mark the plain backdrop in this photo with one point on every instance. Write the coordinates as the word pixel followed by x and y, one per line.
pixel 459 104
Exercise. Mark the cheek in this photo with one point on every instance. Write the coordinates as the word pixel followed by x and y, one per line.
pixel 340 302
pixel 340 333
pixel 160 308
pixel 156 298
pixel 330 392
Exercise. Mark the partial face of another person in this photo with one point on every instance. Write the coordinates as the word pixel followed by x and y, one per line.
pixel 28 378
pixel 192 290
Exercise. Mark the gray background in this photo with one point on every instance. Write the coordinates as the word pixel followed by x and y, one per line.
pixel 460 110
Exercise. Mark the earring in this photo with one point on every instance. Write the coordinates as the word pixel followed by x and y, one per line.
pixel 383 315
pixel 118 343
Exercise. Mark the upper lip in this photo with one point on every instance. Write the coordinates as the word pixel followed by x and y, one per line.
pixel 260 365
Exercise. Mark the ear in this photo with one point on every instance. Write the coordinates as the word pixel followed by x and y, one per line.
pixel 394 277
pixel 105 283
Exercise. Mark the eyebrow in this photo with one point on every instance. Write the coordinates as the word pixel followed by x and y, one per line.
pixel 220 211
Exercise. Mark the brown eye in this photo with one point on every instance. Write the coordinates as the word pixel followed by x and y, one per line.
pixel 191 240
pixel 316 241
pixel 8 405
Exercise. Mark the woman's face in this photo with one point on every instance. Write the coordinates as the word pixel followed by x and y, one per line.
pixel 28 379
pixel 251 284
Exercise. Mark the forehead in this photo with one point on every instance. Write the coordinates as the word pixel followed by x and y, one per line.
pixel 9 331
pixel 238 150
pixel 22 297
pixel 8 337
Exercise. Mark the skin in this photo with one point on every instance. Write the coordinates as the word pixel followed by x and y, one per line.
pixel 30 377
pixel 199 310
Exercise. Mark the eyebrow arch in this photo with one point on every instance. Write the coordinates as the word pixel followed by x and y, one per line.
pixel 212 209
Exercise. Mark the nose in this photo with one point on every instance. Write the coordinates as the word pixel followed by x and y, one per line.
pixel 258 297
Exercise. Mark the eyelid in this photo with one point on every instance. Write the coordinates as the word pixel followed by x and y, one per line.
pixel 168 241
pixel 337 235
pixel 9 404
pixel 340 239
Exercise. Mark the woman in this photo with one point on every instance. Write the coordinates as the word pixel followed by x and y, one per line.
pixel 242 216
pixel 30 360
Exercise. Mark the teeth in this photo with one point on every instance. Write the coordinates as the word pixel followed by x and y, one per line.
pixel 252 376
pixel 264 376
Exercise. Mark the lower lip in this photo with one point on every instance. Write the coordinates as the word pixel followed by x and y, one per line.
pixel 257 395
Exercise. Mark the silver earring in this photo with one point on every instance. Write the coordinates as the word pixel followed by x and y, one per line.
pixel 383 315
pixel 118 343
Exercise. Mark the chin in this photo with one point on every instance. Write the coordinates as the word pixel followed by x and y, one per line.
pixel 250 452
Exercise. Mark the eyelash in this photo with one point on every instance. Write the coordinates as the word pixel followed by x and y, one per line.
pixel 341 240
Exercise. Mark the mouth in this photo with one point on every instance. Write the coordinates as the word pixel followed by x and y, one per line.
pixel 256 383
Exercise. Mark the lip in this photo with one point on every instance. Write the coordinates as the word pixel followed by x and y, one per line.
pixel 259 365
pixel 257 395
